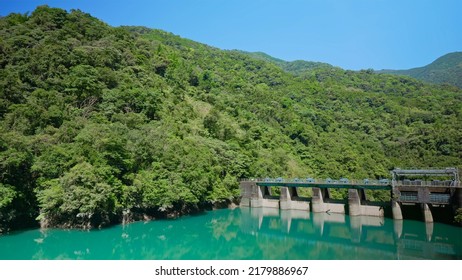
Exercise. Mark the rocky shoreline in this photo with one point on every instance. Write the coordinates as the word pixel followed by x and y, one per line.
pixel 87 222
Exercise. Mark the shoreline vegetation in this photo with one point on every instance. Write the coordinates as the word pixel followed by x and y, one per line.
pixel 133 215
pixel 98 122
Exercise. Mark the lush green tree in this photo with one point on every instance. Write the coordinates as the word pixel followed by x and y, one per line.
pixel 84 194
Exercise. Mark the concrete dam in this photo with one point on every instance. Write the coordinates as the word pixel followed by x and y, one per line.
pixel 430 190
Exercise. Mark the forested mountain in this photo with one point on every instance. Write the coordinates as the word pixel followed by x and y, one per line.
pixel 445 70
pixel 296 67
pixel 101 123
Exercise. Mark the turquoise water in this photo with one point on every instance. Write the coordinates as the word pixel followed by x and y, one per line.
pixel 244 234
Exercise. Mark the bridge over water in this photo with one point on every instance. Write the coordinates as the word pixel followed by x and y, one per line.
pixel 421 187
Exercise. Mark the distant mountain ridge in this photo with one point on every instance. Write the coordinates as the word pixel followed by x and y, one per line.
pixel 294 67
pixel 447 69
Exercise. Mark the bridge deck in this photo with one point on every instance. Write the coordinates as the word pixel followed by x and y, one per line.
pixel 325 185
pixel 385 184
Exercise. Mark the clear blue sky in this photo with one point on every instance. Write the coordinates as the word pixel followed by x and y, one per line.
pixel 352 34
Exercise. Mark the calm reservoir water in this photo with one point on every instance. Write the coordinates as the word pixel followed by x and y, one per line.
pixel 244 234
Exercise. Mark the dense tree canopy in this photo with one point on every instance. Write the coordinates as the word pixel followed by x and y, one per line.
pixel 444 70
pixel 97 121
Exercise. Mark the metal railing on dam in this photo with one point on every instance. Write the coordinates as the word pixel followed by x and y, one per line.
pixel 321 183
pixel 346 183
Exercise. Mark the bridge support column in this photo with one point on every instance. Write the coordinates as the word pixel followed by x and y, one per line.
pixel 356 208
pixel 289 200
pixel 246 192
pixel 256 199
pixel 427 214
pixel 261 197
pixel 317 201
pixel 354 203
pixel 286 198
pixel 396 210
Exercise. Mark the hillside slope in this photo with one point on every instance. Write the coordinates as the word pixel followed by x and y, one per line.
pixel 296 67
pixel 100 125
pixel 445 70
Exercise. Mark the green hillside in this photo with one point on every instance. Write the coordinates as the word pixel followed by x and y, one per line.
pixel 296 67
pixel 101 124
pixel 445 70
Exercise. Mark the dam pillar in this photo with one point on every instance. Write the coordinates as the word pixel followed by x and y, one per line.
pixel 262 197
pixel 317 201
pixel 354 203
pixel 427 214
pixel 246 193
pixel 289 200
pixel 356 207
pixel 396 210
pixel 256 198
pixel 286 198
